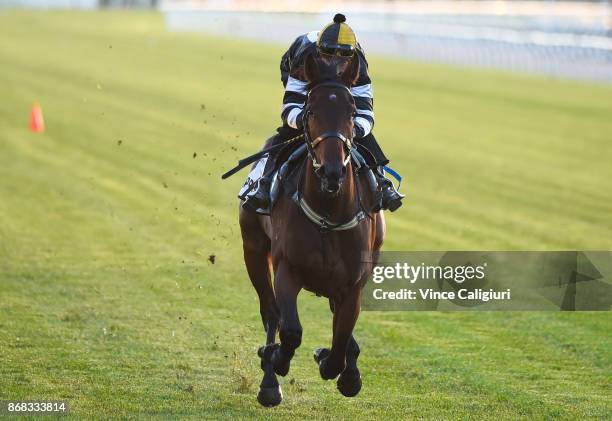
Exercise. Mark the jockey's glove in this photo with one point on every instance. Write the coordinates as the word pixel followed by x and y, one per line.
pixel 299 120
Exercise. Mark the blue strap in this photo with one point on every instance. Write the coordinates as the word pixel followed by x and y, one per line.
pixel 395 175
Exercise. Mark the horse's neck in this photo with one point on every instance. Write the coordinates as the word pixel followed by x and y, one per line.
pixel 339 208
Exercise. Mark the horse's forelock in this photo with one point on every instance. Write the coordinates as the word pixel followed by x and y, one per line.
pixel 322 72
pixel 333 94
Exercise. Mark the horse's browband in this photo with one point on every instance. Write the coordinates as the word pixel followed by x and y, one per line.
pixel 325 135
pixel 331 85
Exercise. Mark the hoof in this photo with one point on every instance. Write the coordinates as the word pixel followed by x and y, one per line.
pixel 270 396
pixel 281 367
pixel 349 383
pixel 327 372
pixel 320 354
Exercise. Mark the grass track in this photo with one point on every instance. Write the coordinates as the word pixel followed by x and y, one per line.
pixel 106 295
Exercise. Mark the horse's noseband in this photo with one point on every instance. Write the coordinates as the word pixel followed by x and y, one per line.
pixel 312 144
pixel 326 135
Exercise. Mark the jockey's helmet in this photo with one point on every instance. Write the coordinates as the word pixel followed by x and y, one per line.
pixel 337 38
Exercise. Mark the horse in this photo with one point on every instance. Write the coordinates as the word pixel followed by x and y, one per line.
pixel 316 239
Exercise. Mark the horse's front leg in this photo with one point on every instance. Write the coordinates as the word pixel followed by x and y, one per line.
pixel 349 382
pixel 287 286
pixel 333 362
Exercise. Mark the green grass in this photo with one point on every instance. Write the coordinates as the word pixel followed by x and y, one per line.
pixel 107 297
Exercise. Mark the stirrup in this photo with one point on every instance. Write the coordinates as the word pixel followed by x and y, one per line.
pixel 391 198
pixel 394 204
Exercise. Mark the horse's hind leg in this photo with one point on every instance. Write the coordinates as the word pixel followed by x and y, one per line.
pixel 256 247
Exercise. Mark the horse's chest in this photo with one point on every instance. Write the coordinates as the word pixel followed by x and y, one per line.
pixel 325 262
pixel 326 268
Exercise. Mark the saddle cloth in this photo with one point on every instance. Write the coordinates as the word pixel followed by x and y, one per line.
pixel 250 185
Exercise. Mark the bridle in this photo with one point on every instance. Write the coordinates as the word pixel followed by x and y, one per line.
pixel 322 221
pixel 312 144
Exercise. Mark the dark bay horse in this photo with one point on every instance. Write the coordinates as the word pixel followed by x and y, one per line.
pixel 316 240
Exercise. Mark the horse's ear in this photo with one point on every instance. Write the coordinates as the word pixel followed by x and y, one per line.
pixel 351 74
pixel 311 69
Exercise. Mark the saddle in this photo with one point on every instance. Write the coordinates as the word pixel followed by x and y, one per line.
pixel 257 171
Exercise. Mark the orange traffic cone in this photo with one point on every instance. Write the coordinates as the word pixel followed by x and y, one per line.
pixel 37 124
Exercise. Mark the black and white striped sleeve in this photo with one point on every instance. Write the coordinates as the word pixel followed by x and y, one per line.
pixel 293 101
pixel 364 100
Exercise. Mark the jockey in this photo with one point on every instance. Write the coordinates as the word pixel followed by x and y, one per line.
pixel 335 43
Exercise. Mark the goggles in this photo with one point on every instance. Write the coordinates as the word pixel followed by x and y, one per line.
pixel 340 50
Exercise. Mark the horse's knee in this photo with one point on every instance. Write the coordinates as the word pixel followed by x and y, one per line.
pixel 290 339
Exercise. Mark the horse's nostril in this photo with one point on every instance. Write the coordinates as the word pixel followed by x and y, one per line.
pixel 333 187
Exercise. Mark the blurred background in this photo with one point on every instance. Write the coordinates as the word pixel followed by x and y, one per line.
pixel 560 38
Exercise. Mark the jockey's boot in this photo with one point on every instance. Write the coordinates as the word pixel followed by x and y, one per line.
pixel 391 198
pixel 261 198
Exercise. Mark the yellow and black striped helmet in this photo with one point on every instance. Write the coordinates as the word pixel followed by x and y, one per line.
pixel 337 38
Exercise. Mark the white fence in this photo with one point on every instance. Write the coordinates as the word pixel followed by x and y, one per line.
pixel 558 38
pixel 564 39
